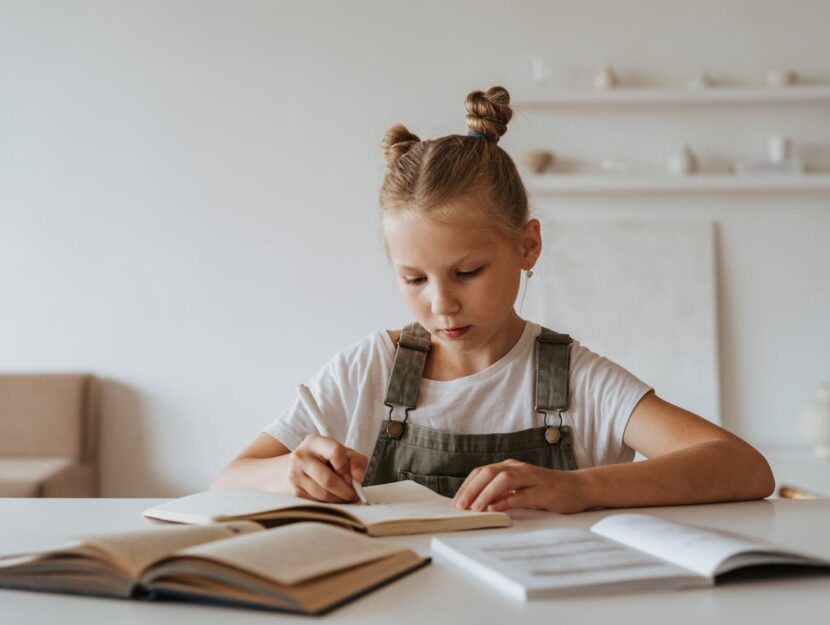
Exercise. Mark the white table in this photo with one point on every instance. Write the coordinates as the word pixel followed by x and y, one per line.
pixel 441 593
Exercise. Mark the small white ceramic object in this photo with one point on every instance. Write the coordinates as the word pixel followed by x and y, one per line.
pixel 606 78
pixel 614 166
pixel 779 148
pixel 682 162
pixel 781 77
pixel 537 70
pixel 814 422
pixel 701 81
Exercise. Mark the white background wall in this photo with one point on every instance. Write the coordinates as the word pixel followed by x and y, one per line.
pixel 188 191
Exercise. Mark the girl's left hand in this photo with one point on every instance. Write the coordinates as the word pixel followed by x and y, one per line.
pixel 514 484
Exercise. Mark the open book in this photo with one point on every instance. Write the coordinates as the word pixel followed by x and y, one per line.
pixel 303 567
pixel 620 552
pixel 395 508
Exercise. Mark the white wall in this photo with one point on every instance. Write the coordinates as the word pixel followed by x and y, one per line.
pixel 187 192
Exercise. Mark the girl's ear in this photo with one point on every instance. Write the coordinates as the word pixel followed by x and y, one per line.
pixel 531 243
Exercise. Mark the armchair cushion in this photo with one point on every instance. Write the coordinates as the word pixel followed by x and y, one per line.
pixel 45 477
pixel 48 435
pixel 45 414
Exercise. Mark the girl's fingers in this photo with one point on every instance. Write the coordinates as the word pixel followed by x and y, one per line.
pixel 509 492
pixel 517 499
pixel 312 489
pixel 495 489
pixel 358 463
pixel 474 484
pixel 461 493
pixel 337 455
pixel 334 460
pixel 330 481
pixel 470 493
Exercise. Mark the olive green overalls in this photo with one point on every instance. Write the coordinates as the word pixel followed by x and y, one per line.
pixel 441 460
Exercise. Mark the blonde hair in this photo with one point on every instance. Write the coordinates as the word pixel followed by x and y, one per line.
pixel 458 176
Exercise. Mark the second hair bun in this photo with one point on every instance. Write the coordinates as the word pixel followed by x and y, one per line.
pixel 489 112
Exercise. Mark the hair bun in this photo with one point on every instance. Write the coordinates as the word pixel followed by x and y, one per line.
pixel 396 142
pixel 489 112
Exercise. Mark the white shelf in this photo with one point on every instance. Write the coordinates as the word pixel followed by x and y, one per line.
pixel 545 98
pixel 606 183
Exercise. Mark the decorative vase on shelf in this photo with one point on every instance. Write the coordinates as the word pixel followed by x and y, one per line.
pixel 814 422
pixel 682 162
pixel 606 78
pixel 781 77
pixel 538 161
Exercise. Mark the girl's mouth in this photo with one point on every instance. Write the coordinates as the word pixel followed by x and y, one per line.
pixel 454 333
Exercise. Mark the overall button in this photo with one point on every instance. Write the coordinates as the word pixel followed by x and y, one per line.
pixel 394 429
pixel 552 435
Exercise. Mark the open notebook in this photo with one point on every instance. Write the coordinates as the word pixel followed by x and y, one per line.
pixel 396 508
pixel 303 567
pixel 620 552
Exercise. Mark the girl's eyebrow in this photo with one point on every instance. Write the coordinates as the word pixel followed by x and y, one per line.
pixel 458 262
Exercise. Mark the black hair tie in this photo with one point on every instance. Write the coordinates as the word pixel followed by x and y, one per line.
pixel 481 135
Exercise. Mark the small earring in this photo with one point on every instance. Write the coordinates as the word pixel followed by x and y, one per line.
pixel 528 273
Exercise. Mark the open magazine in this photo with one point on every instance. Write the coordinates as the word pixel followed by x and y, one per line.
pixel 620 552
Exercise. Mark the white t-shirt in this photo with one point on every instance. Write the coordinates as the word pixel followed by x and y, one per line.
pixel 351 387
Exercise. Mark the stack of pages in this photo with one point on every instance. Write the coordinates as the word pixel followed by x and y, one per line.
pixel 303 567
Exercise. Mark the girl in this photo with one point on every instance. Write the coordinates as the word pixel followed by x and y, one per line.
pixel 472 400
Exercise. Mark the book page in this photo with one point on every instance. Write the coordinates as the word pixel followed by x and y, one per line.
pixel 396 501
pixel 408 501
pixel 546 561
pixel 217 505
pixel 294 553
pixel 694 548
pixel 401 492
pixel 132 551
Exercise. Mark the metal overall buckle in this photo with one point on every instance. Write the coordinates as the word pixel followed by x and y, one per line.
pixel 553 433
pixel 394 429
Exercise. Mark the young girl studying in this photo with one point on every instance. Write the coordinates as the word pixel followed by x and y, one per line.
pixel 470 399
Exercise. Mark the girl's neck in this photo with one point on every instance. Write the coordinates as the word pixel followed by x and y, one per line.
pixel 445 363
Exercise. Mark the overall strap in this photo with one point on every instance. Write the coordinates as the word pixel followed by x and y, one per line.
pixel 408 366
pixel 553 351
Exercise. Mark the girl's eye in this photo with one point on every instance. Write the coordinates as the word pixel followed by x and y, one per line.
pixel 414 281
pixel 466 275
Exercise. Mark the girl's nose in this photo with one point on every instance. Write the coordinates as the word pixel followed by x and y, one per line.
pixel 444 301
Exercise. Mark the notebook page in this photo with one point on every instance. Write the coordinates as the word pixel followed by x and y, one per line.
pixel 694 548
pixel 407 501
pixel 293 553
pixel 401 492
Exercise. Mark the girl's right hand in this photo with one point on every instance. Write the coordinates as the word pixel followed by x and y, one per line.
pixel 323 469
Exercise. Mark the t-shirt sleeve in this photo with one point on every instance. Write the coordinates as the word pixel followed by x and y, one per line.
pixel 606 395
pixel 294 422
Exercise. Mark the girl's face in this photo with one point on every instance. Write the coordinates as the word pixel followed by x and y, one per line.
pixel 459 280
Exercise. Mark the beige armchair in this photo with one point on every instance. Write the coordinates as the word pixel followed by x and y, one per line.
pixel 48 437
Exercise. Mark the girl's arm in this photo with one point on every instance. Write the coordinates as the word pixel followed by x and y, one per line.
pixel 689 461
pixel 320 468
